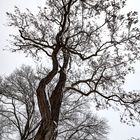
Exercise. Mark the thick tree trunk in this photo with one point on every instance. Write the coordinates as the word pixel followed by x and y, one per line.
pixel 50 108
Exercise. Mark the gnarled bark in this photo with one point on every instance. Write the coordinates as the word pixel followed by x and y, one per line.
pixel 50 109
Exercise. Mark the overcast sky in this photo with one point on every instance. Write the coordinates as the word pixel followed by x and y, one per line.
pixel 10 61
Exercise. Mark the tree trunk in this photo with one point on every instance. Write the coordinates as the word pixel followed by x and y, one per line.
pixel 50 108
pixel 46 132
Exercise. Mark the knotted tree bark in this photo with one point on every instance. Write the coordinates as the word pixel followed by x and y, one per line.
pixel 50 106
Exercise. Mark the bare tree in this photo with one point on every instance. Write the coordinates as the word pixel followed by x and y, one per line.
pixel 78 122
pixel 90 46
pixel 20 116
pixel 18 103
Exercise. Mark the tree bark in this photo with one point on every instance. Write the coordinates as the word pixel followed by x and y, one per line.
pixel 50 109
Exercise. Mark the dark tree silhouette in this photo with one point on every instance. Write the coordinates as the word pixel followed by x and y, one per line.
pixel 89 45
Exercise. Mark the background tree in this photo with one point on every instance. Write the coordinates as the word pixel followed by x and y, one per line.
pixel 89 46
pixel 20 117
pixel 19 104
pixel 78 122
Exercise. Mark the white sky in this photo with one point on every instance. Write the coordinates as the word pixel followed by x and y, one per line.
pixel 10 61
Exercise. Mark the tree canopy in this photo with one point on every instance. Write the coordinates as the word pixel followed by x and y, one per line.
pixel 90 46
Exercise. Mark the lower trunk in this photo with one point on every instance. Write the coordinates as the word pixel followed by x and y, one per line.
pixel 46 132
